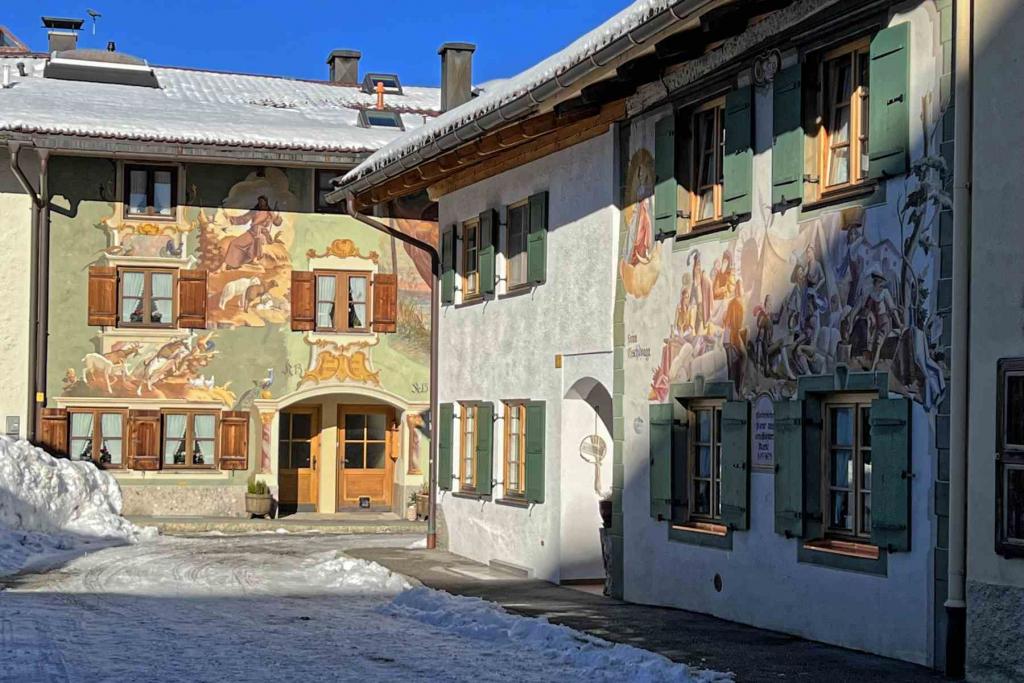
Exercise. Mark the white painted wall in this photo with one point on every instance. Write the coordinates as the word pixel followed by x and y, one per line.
pixel 15 279
pixel 505 349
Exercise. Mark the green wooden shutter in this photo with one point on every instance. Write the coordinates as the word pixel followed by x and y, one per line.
pixel 536 240
pixel 889 102
pixel 787 138
pixel 488 250
pixel 661 460
pixel 890 473
pixel 536 435
pixel 484 448
pixel 665 193
pixel 445 420
pixel 736 464
pixel 680 470
pixel 684 145
pixel 738 159
pixel 448 265
pixel 789 462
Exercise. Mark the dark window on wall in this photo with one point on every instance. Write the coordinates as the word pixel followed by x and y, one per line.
pixel 516 244
pixel 847 468
pixel 342 301
pixel 467 447
pixel 366 440
pixel 843 138
pixel 324 187
pixel 150 191
pixel 1010 458
pixel 471 259
pixel 707 144
pixel 515 449
pixel 98 436
pixel 146 297
pixel 706 470
pixel 189 439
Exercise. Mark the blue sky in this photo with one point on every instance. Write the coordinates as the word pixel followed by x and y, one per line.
pixel 293 37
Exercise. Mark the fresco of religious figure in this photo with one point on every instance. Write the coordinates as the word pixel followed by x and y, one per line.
pixel 248 247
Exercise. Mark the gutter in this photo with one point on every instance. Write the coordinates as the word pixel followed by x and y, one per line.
pixel 435 314
pixel 39 286
pixel 956 601
pixel 528 101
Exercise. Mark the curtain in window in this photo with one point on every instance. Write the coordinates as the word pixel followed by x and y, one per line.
pixel 357 302
pixel 162 192
pixel 137 200
pixel 163 291
pixel 132 308
pixel 203 428
pixel 81 436
pixel 174 439
pixel 326 288
pixel 111 426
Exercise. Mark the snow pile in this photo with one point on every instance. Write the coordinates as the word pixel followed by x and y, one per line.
pixel 349 575
pixel 52 506
pixel 600 659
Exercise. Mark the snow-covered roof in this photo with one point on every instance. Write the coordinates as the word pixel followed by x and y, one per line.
pixel 206 107
pixel 500 93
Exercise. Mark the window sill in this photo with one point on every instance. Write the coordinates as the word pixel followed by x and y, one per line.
pixel 513 502
pixel 844 555
pixel 864 551
pixel 1009 550
pixel 704 534
pixel 518 290
pixel 473 301
pixel 135 218
pixel 703 528
pixel 833 197
pixel 470 495
pixel 705 229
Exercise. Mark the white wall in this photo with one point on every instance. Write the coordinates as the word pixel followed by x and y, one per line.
pixel 15 279
pixel 505 349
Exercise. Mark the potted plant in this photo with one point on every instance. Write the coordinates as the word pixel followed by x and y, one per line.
pixel 410 509
pixel 258 500
pixel 423 501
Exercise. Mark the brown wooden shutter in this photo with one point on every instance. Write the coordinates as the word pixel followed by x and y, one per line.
pixel 53 431
pixel 102 295
pixel 234 440
pixel 192 299
pixel 385 302
pixel 144 439
pixel 303 300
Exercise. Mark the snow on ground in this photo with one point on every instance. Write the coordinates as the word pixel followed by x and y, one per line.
pixel 262 608
pixel 52 508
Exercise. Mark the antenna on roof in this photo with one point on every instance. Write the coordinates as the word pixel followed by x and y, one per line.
pixel 95 15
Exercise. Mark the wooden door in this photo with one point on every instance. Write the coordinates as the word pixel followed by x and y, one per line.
pixel 298 454
pixel 367 450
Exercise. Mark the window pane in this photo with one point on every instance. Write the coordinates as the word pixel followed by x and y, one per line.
pixel 174 439
pixel 112 429
pixel 162 192
pixel 300 454
pixel 325 297
pixel 841 515
pixel 1013 410
pixel 842 426
pixel 357 289
pixel 284 453
pixel 841 468
pixel 302 425
pixel 704 426
pixel 1014 495
pixel 839 166
pixel 354 456
pixel 160 311
pixel 81 436
pixel 354 427
pixel 162 285
pixel 865 513
pixel 356 316
pixel 865 456
pixel 132 307
pixel 138 202
pixel 325 315
pixel 704 462
pixel 516 248
pixel 375 454
pixel 376 427
pixel 702 498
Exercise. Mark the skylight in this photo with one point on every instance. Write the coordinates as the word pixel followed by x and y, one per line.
pixel 390 81
pixel 378 118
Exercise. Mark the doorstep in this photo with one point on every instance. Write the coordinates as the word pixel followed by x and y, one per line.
pixel 304 522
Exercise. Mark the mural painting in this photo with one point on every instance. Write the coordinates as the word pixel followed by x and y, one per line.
pixel 641 260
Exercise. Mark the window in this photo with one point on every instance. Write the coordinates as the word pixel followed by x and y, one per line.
pixel 847 467
pixel 324 187
pixel 390 82
pixel 98 436
pixel 706 469
pixel 843 137
pixel 515 245
pixel 380 118
pixel 190 439
pixel 471 259
pixel 467 448
pixel 342 301
pixel 147 297
pixel 707 145
pixel 150 191
pixel 515 449
pixel 366 441
pixel 295 441
pixel 1010 459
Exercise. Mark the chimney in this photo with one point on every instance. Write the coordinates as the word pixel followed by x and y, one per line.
pixel 344 66
pixel 62 33
pixel 456 74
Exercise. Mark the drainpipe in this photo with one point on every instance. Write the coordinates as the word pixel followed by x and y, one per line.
pixel 37 288
pixel 956 601
pixel 435 314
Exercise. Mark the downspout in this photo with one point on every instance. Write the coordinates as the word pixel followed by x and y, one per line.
pixel 956 601
pixel 36 242
pixel 435 314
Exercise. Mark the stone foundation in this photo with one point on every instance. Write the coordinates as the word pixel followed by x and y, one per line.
pixel 180 501
pixel 995 620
